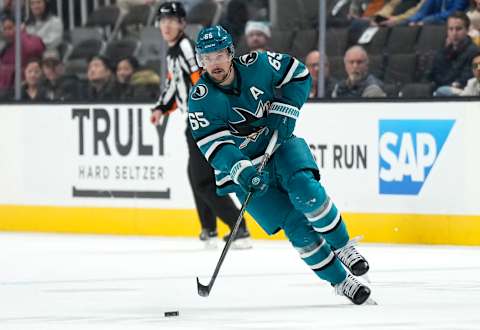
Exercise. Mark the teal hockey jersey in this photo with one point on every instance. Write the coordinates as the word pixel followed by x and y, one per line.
pixel 228 123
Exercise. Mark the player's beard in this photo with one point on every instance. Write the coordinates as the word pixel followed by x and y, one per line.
pixel 224 76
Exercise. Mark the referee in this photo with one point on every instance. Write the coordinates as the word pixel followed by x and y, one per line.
pixel 183 73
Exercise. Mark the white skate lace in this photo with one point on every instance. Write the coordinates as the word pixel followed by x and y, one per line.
pixel 348 287
pixel 348 254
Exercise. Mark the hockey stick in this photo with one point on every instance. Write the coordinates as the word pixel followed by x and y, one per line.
pixel 204 290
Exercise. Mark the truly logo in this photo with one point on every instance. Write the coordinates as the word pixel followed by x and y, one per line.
pixel 408 150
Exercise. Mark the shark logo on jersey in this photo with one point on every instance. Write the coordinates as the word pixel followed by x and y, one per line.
pixel 200 92
pixel 408 151
pixel 248 59
pixel 251 126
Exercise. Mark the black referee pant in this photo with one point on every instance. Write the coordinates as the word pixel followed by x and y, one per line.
pixel 202 180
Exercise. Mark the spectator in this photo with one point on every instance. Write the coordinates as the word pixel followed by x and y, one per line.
pixel 436 11
pixel 369 8
pixel 257 35
pixel 32 90
pixel 312 61
pixel 359 82
pixel 473 85
pixel 474 16
pixel 136 83
pixel 124 71
pixel 102 85
pixel 393 12
pixel 32 47
pixel 146 85
pixel 396 12
pixel 341 12
pixel 357 8
pixel 44 24
pixel 126 67
pixel 5 8
pixel 452 64
pixel 8 9
pixel 59 86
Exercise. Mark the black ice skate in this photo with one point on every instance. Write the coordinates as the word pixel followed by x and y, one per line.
pixel 209 237
pixel 353 289
pixel 242 240
pixel 353 260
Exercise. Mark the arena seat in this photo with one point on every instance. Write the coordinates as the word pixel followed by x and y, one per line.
pixel 108 18
pixel 117 49
pixel 336 40
pixel 400 68
pixel 303 42
pixel 378 42
pixel 137 17
pixel 416 90
pixel 402 39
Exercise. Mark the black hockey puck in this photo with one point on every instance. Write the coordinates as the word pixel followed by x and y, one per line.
pixel 171 313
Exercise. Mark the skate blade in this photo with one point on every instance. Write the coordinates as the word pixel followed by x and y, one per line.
pixel 371 302
pixel 242 244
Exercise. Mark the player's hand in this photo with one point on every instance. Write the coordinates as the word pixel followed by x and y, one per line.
pixel 284 126
pixel 252 180
pixel 389 22
pixel 155 117
pixel 282 117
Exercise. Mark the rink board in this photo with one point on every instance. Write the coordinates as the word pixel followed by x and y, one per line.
pixel 400 172
pixel 381 228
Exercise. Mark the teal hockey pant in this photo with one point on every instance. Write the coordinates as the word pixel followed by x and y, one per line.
pixel 310 220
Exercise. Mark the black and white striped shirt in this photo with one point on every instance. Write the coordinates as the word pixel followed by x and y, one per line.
pixel 183 73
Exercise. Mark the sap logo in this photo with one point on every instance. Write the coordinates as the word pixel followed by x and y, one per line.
pixel 408 151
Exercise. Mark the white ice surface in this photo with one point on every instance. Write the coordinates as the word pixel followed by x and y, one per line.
pixel 107 282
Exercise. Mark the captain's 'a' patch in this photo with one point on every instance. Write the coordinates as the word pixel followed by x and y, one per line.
pixel 199 92
pixel 248 59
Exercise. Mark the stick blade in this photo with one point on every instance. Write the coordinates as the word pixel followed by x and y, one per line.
pixel 203 290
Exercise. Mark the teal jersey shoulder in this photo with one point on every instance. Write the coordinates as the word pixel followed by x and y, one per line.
pixel 229 123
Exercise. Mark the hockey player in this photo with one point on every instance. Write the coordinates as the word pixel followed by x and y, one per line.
pixel 183 72
pixel 233 111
